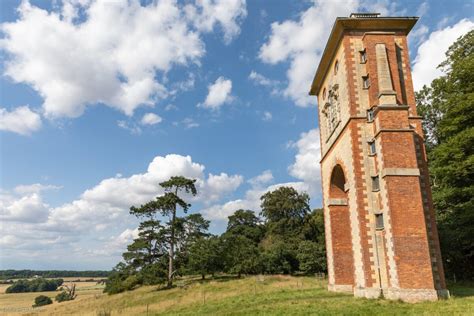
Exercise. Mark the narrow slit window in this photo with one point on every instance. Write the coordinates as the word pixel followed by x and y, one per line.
pixel 336 66
pixel 375 183
pixel 363 56
pixel 372 149
pixel 370 115
pixel 366 82
pixel 379 221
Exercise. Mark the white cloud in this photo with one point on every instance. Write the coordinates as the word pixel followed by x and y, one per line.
pixel 418 34
pixel 151 119
pixel 251 201
pixel 35 188
pixel 262 80
pixel 432 52
pixel 262 179
pixel 219 94
pixel 117 66
pixel 20 120
pixel 267 116
pixel 29 208
pixel 301 41
pixel 227 13
pixel 99 219
pixel 422 9
pixel 306 166
pixel 218 186
pixel 187 122
pixel 131 127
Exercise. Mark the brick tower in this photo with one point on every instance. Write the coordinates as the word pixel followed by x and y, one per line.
pixel 381 233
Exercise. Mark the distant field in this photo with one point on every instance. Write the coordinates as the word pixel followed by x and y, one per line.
pixel 20 303
pixel 272 295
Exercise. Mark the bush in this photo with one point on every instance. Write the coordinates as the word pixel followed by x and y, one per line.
pixel 42 300
pixel 63 296
pixel 35 285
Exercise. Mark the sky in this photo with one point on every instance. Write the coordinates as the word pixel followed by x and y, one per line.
pixel 102 100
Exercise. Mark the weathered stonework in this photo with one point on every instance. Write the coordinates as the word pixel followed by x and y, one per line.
pixel 381 235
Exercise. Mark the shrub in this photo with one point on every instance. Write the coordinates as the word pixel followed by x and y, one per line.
pixel 42 300
pixel 63 296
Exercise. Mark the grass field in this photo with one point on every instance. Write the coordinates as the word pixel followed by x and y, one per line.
pixel 272 295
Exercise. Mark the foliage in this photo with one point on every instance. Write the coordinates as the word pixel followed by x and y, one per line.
pixel 121 279
pixel 284 210
pixel 63 296
pixel 42 300
pixel 35 285
pixel 241 255
pixel 311 257
pixel 205 256
pixel 447 106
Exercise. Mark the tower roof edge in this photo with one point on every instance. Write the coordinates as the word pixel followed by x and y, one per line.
pixel 356 22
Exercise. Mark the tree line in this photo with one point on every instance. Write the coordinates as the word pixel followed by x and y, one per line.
pixel 35 285
pixel 285 237
pixel 447 107
pixel 26 274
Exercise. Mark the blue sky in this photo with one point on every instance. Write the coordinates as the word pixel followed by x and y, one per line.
pixel 99 101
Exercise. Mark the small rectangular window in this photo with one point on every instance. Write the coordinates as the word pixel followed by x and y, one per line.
pixel 363 56
pixel 375 183
pixel 370 115
pixel 379 221
pixel 366 82
pixel 372 149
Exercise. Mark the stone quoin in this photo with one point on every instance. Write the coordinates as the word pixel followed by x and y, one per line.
pixel 381 234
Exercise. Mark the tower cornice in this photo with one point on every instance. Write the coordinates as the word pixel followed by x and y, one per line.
pixel 360 23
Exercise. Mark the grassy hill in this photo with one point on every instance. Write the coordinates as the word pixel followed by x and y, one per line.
pixel 271 295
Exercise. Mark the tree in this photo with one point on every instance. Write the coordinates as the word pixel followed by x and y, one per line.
pixel 167 205
pixel 284 210
pixel 245 223
pixel 447 106
pixel 42 300
pixel 241 255
pixel 205 256
pixel 311 257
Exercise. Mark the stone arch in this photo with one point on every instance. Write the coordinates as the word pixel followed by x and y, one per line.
pixel 341 235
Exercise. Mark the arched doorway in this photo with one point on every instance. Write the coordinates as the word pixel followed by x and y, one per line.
pixel 343 258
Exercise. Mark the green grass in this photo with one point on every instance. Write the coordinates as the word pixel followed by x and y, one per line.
pixel 275 295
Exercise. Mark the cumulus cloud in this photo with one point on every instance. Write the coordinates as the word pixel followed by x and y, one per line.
pixel 150 119
pixel 251 201
pixel 226 13
pixel 262 179
pixel 21 120
pixel 100 216
pixel 28 208
pixel 117 66
pixel 306 166
pixel 432 52
pixel 300 41
pixel 219 94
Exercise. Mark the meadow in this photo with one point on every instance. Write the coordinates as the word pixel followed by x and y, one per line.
pixel 269 295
